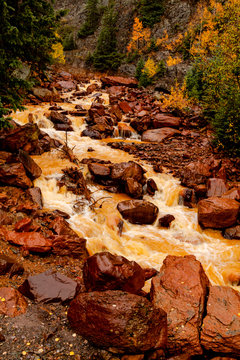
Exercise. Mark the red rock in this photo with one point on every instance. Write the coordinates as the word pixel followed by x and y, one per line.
pixel 102 170
pixel 67 85
pixel 151 187
pixel 116 111
pixel 180 290
pixel 36 196
pixel 14 175
pixel 187 198
pixel 6 218
pixel 92 133
pixel 216 187
pixel 142 113
pixel 49 287
pixel 125 322
pixel 32 241
pixel 138 211
pixel 195 173
pixel 158 135
pixel 32 169
pixel 63 127
pixel 45 95
pixel 58 118
pixel 141 126
pixel 165 221
pixel 96 109
pixel 163 120
pixel 14 139
pixel 233 194
pixel 221 326
pixel 125 130
pixel 133 188
pixel 115 90
pixel 232 233
pixel 123 171
pixel 61 227
pixel 23 225
pixel 217 213
pixel 133 357
pixel 68 245
pixel 91 88
pixel 104 271
pixel 119 81
pixel 12 303
pixel 5 264
pixel 74 181
pixel 124 106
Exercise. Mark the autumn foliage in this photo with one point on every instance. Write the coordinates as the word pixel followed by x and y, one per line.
pixel 140 39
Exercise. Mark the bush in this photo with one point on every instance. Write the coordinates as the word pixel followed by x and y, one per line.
pixel 151 12
pixel 69 43
pixel 139 68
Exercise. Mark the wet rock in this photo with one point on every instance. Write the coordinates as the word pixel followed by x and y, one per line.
pixel 74 181
pixel 99 170
pixel 125 130
pixel 104 271
pixel 217 213
pixel 12 303
pixel 124 106
pixel 92 133
pixel 187 198
pixel 233 194
pixel 96 111
pixel 36 196
pixel 119 81
pixel 138 211
pixel 58 118
pixel 61 227
pixel 216 187
pixel 232 233
pixel 195 173
pixel 158 135
pixel 180 289
pixel 163 120
pixel 133 188
pixel 115 110
pixel 14 175
pixel 91 88
pixel 49 287
pixel 68 245
pixel 151 187
pixel 16 138
pixel 165 221
pixel 45 94
pixel 63 127
pixel 6 218
pixel 31 241
pixel 126 322
pixel 23 225
pixel 141 126
pixel 123 171
pixel 32 169
pixel 221 326
pixel 67 85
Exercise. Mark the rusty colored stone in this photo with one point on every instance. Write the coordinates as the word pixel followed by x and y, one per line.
pixel 138 211
pixel 151 187
pixel 119 81
pixel 32 169
pixel 102 170
pixel 163 120
pixel 124 106
pixel 180 290
pixel 61 227
pixel 125 322
pixel 217 213
pixel 104 271
pixel 195 173
pixel 123 171
pixel 49 287
pixel 221 326
pixel 133 188
pixel 36 196
pixel 31 241
pixel 125 130
pixel 68 245
pixel 14 175
pixel 12 303
pixel 233 194
pixel 232 233
pixel 216 187
pixel 23 225
pixel 158 135
pixel 165 221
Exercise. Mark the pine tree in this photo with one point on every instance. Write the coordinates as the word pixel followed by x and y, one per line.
pixel 27 33
pixel 151 11
pixel 106 56
pixel 92 19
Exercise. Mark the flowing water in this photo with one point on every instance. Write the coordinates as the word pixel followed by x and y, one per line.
pixel 146 244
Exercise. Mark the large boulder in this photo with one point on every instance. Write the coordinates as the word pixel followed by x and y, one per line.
pixel 12 303
pixel 16 138
pixel 195 173
pixel 104 271
pixel 138 211
pixel 180 289
pixel 216 187
pixel 14 175
pixel 33 170
pixel 217 213
pixel 119 81
pixel 123 171
pixel 118 320
pixel 49 287
pixel 163 120
pixel 221 326
pixel 158 135
pixel 31 241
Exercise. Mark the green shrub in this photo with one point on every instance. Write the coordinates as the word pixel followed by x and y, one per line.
pixel 139 68
pixel 151 11
pixel 145 79
pixel 161 68
pixel 69 43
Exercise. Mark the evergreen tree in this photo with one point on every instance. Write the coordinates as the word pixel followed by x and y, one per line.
pixel 151 11
pixel 27 33
pixel 106 55
pixel 92 19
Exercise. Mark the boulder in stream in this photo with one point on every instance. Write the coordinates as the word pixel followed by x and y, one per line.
pixel 125 322
pixel 138 211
